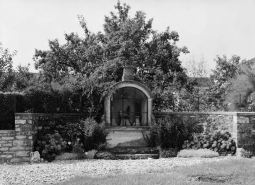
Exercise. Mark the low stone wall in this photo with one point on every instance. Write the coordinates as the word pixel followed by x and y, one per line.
pixel 210 120
pixel 16 145
pixel 241 125
pixel 246 131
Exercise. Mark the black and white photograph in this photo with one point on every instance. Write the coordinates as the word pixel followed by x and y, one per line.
pixel 127 92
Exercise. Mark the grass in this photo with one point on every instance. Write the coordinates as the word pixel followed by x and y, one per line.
pixel 227 172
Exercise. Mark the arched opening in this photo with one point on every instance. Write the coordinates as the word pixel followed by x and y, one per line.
pixel 129 107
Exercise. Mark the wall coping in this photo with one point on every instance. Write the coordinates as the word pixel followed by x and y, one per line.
pixel 154 113
pixel 245 113
pixel 127 128
pixel 199 113
pixel 6 131
pixel 50 114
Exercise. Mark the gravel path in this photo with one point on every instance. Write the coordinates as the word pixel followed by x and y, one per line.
pixel 50 173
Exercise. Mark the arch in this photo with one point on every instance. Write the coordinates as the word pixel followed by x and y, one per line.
pixel 134 84
pixel 128 84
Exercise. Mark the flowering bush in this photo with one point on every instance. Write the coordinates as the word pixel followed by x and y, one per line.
pixel 219 141
pixel 50 145
pixel 76 137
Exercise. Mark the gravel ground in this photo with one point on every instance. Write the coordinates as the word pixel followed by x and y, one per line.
pixel 50 173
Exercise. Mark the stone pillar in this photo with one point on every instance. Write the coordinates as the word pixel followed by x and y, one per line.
pixel 23 142
pixel 149 111
pixel 128 73
pixel 107 110
pixel 234 130
pixel 245 134
pixel 16 145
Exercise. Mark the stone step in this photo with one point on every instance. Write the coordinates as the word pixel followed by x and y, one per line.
pixel 137 156
pixel 134 150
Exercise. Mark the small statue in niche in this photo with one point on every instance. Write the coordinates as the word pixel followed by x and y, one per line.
pixel 127 123
pixel 121 119
pixel 125 117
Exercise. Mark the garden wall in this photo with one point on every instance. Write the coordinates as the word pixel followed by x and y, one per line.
pixel 246 131
pixel 16 145
pixel 241 125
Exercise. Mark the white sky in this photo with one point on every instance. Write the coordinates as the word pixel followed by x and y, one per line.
pixel 206 27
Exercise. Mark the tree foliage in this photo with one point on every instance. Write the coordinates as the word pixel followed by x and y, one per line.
pixel 240 94
pixel 226 70
pixel 6 71
pixel 197 67
pixel 13 79
pixel 91 64
pixel 5 59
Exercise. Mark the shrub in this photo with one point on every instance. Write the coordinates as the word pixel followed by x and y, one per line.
pixel 93 135
pixel 78 136
pixel 10 102
pixel 166 153
pixel 63 97
pixel 50 145
pixel 171 132
pixel 77 147
pixel 219 141
pixel 51 98
pixel 202 153
pixel 88 132
pixel 245 153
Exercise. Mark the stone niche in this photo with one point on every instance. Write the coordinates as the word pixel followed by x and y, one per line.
pixel 130 104
pixel 128 109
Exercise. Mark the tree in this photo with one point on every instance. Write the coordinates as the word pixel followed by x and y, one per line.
pixel 23 78
pixel 241 93
pixel 197 67
pixel 226 70
pixel 6 70
pixel 92 64
pixel 196 99
pixel 11 79
pixel 5 59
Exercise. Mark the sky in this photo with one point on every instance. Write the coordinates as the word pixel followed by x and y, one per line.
pixel 207 27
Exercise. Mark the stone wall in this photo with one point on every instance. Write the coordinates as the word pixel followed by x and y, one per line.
pixel 16 145
pixel 246 131
pixel 210 120
pixel 241 125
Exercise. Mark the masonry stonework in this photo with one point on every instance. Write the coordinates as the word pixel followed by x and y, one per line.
pixel 16 145
pixel 210 120
pixel 241 125
pixel 246 131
